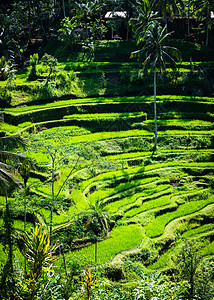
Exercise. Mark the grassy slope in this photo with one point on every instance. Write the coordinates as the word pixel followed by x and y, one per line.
pixel 146 205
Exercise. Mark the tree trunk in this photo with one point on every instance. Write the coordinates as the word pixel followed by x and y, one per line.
pixel 63 6
pixel 165 15
pixel 127 20
pixel 9 228
pixel 188 18
pixel 52 204
pixel 155 111
pixel 96 251
pixel 25 219
pixel 64 262
pixel 207 29
pixel 29 25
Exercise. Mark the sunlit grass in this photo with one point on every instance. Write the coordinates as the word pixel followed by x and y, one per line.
pixel 198 230
pixel 156 228
pixel 106 100
pixel 121 238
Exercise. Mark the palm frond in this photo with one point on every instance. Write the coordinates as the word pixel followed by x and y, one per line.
pixel 10 142
pixel 6 155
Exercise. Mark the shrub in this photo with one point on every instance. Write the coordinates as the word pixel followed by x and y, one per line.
pixel 49 63
pixel 5 97
pixel 33 72
pixel 4 68
pixel 46 91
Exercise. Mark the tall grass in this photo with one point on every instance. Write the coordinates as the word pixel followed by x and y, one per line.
pixel 105 116
pixel 156 228
pixel 143 169
pixel 102 194
pixel 194 232
pixel 121 238
pixel 148 205
pixel 105 100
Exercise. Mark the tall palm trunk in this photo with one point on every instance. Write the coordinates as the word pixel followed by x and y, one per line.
pixel 25 220
pixel 9 228
pixel 207 29
pixel 155 110
pixel 165 15
pixel 188 18
pixel 63 6
pixel 29 25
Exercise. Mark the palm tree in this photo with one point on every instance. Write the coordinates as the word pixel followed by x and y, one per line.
pixel 154 55
pixel 167 7
pixel 7 177
pixel 24 171
pixel 8 173
pixel 205 7
pixel 145 15
pixel 99 213
pixel 85 10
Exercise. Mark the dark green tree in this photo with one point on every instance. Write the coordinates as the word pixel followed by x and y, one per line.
pixel 167 8
pixel 204 8
pixel 195 271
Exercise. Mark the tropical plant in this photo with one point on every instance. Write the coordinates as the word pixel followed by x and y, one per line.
pixel 33 72
pixel 7 279
pixel 145 15
pixel 85 10
pixel 204 8
pixel 98 211
pixel 154 55
pixel 89 282
pixel 40 255
pixel 39 252
pixel 157 286
pixel 167 8
pixel 197 273
pixel 8 173
pixel 24 171
pixel 49 62
pixel 4 68
pixel 67 31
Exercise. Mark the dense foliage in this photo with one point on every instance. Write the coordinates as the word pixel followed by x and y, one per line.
pixel 113 196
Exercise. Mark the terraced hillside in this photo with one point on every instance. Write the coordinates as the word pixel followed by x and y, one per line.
pixel 151 202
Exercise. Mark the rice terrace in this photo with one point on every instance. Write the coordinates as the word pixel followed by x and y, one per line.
pixel 107 150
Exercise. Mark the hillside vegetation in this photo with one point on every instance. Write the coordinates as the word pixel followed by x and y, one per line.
pixel 117 217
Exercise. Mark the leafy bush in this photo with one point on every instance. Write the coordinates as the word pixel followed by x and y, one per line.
pixel 5 97
pixel 67 31
pixel 33 72
pixel 46 91
pixel 4 68
pixel 49 64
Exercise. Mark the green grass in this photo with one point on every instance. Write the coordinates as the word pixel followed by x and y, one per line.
pixel 121 238
pixel 127 202
pixel 126 186
pixel 156 228
pixel 186 122
pixel 100 136
pixel 142 169
pixel 70 102
pixel 198 230
pixel 78 199
pixel 151 204
pixel 104 116
pixel 8 128
pixel 208 250
pixel 132 155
